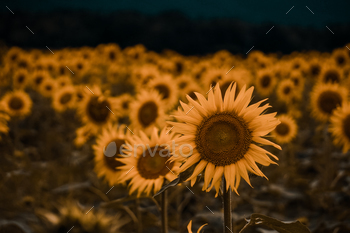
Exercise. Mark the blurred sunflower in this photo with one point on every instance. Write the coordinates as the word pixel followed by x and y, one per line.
pixel 123 102
pixel 298 81
pixel 111 52
pixel 325 98
pixel 23 62
pixel 286 131
pixel 314 68
pixel 211 77
pixel 83 134
pixel 12 55
pixel 189 227
pixel 238 75
pixel 340 127
pixel 224 135
pixel 17 103
pixel 183 81
pixel 108 148
pixel 97 110
pixel 64 98
pixel 147 111
pixel 265 82
pixel 72 218
pixel 286 91
pixel 340 57
pixel 48 87
pixel 20 78
pixel 147 169
pixel 167 88
pixel 37 78
pixel 190 89
pixel 330 74
pixel 63 81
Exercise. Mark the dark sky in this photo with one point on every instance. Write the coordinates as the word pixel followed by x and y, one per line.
pixel 273 11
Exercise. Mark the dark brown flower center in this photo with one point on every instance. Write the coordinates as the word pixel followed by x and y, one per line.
pixel 332 76
pixel 223 139
pixel 286 90
pixel 148 113
pixel 48 87
pixel 282 129
pixel 328 101
pixel 340 60
pixel 265 81
pixel 182 84
pixel 65 98
pixel 153 163
pixel 112 55
pixel 315 70
pixel 97 110
pixel 20 78
pixel 346 126
pixel 16 103
pixel 163 90
pixel 109 158
pixel 38 80
pixel 125 105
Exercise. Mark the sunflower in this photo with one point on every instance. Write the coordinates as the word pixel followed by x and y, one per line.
pixel 286 131
pixel 17 103
pixel 123 103
pixel 64 98
pixel 340 57
pixel 265 82
pixel 37 78
pixel 189 227
pixel 24 62
pixel 20 78
pixel 108 148
pixel 314 68
pixel 48 87
pixel 73 218
pixel 224 135
pixel 148 168
pixel 167 88
pixel 97 110
pixel 298 81
pixel 340 127
pixel 212 76
pixel 286 91
pixel 12 55
pixel 147 111
pixel 63 81
pixel 325 98
pixel 83 134
pixel 111 52
pixel 190 89
pixel 330 74
pixel 238 75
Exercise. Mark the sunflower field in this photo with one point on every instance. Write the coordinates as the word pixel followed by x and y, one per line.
pixel 105 140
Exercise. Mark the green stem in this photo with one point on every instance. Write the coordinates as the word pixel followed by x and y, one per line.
pixel 227 209
pixel 164 212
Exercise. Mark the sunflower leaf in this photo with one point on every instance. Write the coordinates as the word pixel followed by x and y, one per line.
pixel 165 187
pixel 279 226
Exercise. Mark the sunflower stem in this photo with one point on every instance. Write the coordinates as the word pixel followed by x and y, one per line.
pixel 164 211
pixel 227 209
pixel 139 216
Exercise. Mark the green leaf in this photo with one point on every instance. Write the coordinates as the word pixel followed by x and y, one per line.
pixel 281 227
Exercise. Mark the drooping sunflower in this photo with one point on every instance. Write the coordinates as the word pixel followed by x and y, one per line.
pixel 225 135
pixel 146 161
pixel 108 148
pixel 48 87
pixel 325 98
pixel 265 82
pixel 286 91
pixel 73 218
pixel 147 111
pixel 286 131
pixel 167 88
pixel 340 127
pixel 189 227
pixel 17 103
pixel 64 98
pixel 96 109
pixel 20 79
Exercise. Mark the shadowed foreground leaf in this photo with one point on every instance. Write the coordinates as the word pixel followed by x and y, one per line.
pixel 259 219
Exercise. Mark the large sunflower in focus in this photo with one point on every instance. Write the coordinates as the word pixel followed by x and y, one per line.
pixel 147 111
pixel 17 103
pixel 146 162
pixel 107 149
pixel 325 98
pixel 225 134
pixel 340 127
